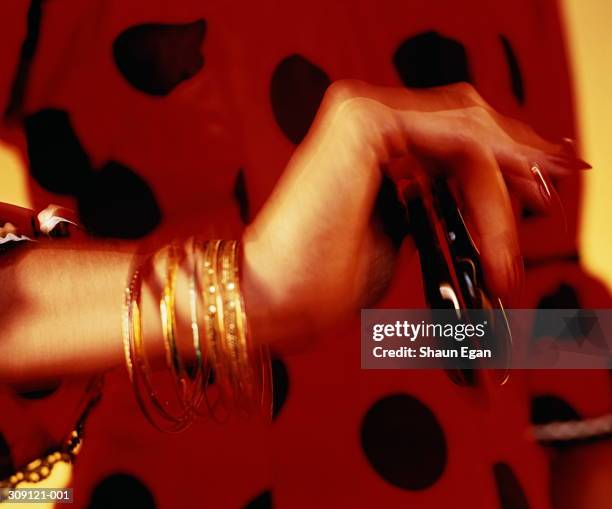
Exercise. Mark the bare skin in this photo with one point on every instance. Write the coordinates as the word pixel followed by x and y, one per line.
pixel 316 252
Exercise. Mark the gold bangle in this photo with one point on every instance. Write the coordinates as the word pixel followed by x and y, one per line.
pixel 167 308
pixel 202 373
pixel 217 397
pixel 242 370
pixel 139 370
pixel 250 364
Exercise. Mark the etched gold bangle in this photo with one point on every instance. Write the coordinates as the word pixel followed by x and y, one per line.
pixel 249 364
pixel 242 370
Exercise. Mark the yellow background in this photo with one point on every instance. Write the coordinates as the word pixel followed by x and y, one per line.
pixel 590 51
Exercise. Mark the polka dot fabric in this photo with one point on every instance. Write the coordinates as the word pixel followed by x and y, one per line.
pixel 191 110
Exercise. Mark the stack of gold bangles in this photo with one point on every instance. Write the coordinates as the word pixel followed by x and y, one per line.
pixel 226 371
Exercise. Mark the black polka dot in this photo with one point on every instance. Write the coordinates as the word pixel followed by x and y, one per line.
pixel 263 501
pixel 548 408
pixel 155 58
pixel 404 442
pixel 121 487
pixel 296 91
pixel 112 202
pixel 509 491
pixel 516 78
pixel 116 202
pixel 241 196
pixel 58 162
pixel 28 49
pixel 6 462
pixel 280 386
pixel 430 59
pixel 563 297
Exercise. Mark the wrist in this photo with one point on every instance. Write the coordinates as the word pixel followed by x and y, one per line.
pixel 274 313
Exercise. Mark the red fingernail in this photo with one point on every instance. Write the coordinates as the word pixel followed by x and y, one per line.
pixel 568 155
pixel 581 164
pixel 570 163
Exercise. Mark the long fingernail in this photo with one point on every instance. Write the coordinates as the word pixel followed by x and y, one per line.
pixel 536 171
pixel 568 155
pixel 570 163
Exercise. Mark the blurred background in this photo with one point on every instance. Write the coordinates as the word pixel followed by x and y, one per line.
pixel 589 46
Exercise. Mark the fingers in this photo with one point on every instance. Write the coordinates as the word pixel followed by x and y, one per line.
pixel 558 158
pixel 536 191
pixel 448 140
pixel 525 169
pixel 488 207
pixel 474 117
pixel 471 142
pixel 562 155
pixel 527 178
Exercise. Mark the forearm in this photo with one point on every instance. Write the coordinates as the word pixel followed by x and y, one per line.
pixel 61 305
pixel 61 309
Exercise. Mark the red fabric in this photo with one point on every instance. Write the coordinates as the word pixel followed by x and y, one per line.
pixel 189 146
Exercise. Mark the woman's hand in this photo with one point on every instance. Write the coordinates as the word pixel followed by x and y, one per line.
pixel 317 250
